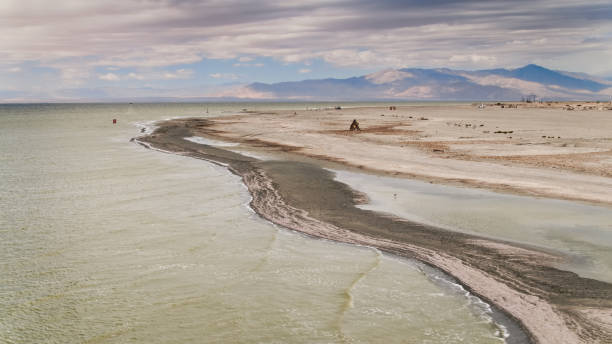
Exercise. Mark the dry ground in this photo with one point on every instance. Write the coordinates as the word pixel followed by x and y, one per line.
pixel 538 149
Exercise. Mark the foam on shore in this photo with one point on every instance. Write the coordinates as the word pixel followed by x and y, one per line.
pixel 210 142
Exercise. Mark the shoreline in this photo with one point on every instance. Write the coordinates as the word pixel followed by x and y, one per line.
pixel 520 282
pixel 511 329
pixel 453 145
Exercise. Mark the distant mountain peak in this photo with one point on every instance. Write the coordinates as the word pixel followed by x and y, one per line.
pixel 445 84
pixel 387 76
pixel 533 66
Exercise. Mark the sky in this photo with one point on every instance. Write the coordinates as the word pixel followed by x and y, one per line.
pixel 114 49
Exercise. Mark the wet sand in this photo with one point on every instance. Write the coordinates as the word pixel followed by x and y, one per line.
pixel 530 149
pixel 552 305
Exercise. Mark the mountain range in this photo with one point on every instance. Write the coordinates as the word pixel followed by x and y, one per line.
pixel 442 84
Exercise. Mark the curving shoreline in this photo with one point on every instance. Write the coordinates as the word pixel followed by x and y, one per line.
pixel 456 145
pixel 553 306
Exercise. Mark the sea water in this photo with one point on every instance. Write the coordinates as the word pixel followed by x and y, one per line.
pixel 104 241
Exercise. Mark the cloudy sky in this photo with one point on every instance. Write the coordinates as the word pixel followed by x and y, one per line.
pixel 75 49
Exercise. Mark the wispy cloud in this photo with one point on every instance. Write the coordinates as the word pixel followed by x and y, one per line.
pixel 241 64
pixel 109 77
pixel 131 40
pixel 178 74
pixel 228 76
pixel 386 33
pixel 136 76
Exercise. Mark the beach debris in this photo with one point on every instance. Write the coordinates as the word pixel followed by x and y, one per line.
pixel 392 108
pixel 114 121
pixel 354 126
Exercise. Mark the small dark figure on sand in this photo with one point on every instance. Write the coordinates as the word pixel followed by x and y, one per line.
pixel 354 126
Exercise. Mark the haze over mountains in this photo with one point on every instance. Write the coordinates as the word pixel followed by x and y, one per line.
pixel 408 84
pixel 441 84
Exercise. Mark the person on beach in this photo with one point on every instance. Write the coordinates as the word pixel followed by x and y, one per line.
pixel 354 126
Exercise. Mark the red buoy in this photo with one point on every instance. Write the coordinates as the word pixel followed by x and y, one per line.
pixel 114 121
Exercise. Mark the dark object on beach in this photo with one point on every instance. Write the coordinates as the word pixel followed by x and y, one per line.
pixel 142 130
pixel 114 121
pixel 338 107
pixel 354 126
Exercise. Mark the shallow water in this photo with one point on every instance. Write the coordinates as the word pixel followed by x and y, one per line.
pixel 102 240
pixel 581 231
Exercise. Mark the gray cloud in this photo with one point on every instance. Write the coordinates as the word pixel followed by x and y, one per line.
pixel 366 34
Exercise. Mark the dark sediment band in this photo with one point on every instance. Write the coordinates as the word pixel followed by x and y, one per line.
pixel 545 302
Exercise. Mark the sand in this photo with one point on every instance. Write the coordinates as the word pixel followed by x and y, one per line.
pixel 533 149
pixel 551 305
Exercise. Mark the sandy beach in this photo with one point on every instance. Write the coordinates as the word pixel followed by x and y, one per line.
pixel 544 150
pixel 535 149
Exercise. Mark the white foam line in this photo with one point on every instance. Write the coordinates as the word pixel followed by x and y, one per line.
pixel 211 161
pixel 148 126
pixel 485 309
pixel 247 204
pixel 209 142
pixel 147 145
pixel 250 154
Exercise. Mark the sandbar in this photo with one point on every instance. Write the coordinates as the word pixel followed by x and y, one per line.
pixel 552 305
